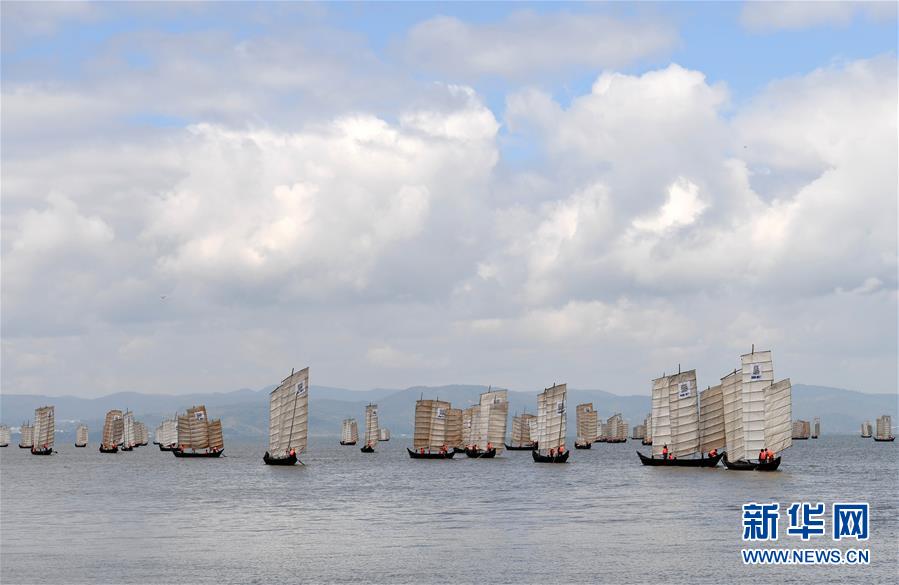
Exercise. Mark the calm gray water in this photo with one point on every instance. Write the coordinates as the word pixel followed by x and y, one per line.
pixel 146 517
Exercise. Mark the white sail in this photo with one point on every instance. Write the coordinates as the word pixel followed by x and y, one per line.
pixel 81 436
pixel 128 439
pixel 552 418
pixel 800 429
pixel 711 419
pixel 168 435
pixel 758 375
pixel 585 421
pixel 661 416
pixel 349 431
pixel 816 428
pixel 26 435
pixel 884 427
pixel 371 425
pixel 5 435
pixel 732 393
pixel 684 404
pixel 778 415
pixel 494 413
pixel 44 427
pixel 289 415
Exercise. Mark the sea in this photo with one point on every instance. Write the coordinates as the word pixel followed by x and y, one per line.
pixel 80 516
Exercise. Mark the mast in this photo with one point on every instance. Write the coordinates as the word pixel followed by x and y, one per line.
pixel 778 416
pixel 711 419
pixel 758 375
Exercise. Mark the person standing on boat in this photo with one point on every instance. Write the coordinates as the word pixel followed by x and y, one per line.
pixel 489 445
pixel 763 454
pixel 665 452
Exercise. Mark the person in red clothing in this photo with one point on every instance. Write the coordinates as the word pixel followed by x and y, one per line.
pixel 665 452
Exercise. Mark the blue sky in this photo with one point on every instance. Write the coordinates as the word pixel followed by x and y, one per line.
pixel 430 193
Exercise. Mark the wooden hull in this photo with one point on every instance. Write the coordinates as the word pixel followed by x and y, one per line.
pixel 42 451
pixel 769 466
pixel 519 447
pixel 616 441
pixel 24 447
pixel 179 453
pixel 739 465
pixel 438 455
pixel 111 450
pixel 80 446
pixel 583 446
pixel 645 442
pixel 886 440
pixel 4 445
pixel 538 458
pixel 481 453
pixel 367 449
pixel 345 443
pixel 269 460
pixel 127 448
pixel 164 448
pixel 800 438
pixel 705 462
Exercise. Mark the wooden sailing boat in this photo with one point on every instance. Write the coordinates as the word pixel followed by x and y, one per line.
pixel 493 413
pixel 371 428
pixel 675 423
pixel 44 431
pixel 521 433
pixel 128 431
pixel 767 411
pixel 585 421
pixel 197 433
pixel 615 429
pixel 816 428
pixel 349 432
pixel 167 434
pixel 26 436
pixel 454 432
pixel 801 430
pixel 112 431
pixel 288 424
pixel 647 430
pixel 429 439
pixel 383 434
pixel 81 436
pixel 4 435
pixel 867 430
pixel 884 429
pixel 142 437
pixel 552 425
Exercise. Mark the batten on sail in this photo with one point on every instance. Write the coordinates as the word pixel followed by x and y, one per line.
pixel 661 416
pixel 778 416
pixel 711 419
pixel 757 376
pixel 288 419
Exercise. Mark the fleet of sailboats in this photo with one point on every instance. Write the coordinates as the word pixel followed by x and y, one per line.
pixel 203 437
pixel 349 432
pixel 288 425
pixel 44 431
pixel 524 429
pixel 552 425
pixel 585 421
pixel 371 428
pixel 429 439
pixel 81 436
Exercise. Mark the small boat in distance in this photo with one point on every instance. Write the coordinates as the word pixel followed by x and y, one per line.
pixel 867 430
pixel 521 433
pixel 454 431
pixel 585 422
pixel 112 432
pixel 383 434
pixel 44 431
pixel 81 436
pixel 4 436
pixel 801 430
pixel 647 430
pixel 167 434
pixel 288 421
pixel 371 428
pixel 26 436
pixel 884 429
pixel 551 425
pixel 615 429
pixel 141 436
pixel 349 432
pixel 128 431
pixel 429 439
pixel 199 434
pixel 816 428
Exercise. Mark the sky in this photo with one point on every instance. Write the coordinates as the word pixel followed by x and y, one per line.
pixel 199 197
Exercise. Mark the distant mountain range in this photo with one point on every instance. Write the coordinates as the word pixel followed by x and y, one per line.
pixel 244 413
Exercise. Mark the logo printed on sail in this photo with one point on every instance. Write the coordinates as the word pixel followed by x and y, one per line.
pixel 756 372
pixel 301 388
pixel 686 389
pixel 200 415
pixel 441 413
pixel 560 407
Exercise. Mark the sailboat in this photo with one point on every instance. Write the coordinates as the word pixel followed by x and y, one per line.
pixel 371 428
pixel 288 423
pixel 867 430
pixel 585 420
pixel 801 430
pixel 616 429
pixel 81 436
pixel 167 434
pixel 521 433
pixel 112 432
pixel 349 432
pixel 429 439
pixel 44 430
pixel 675 423
pixel 26 436
pixel 141 436
pixel 884 429
pixel 383 434
pixel 490 437
pixel 471 417
pixel 552 425
pixel 454 432
pixel 197 433
pixel 767 411
pixel 127 431
pixel 4 435
pixel 816 428
pixel 647 430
